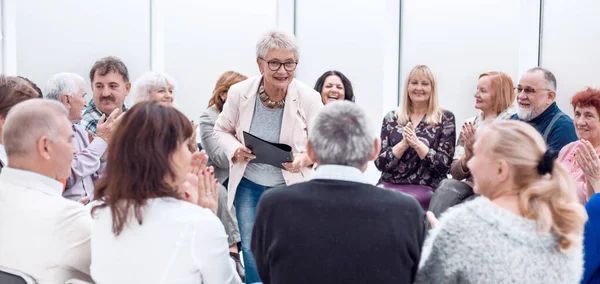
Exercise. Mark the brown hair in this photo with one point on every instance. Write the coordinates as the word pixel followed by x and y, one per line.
pixel 13 90
pixel 109 64
pixel 503 87
pixel 139 160
pixel 224 82
pixel 549 199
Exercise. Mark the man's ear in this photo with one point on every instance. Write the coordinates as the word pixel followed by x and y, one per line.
pixel 552 96
pixel 310 151
pixel 43 147
pixel 65 100
pixel 376 149
pixel 128 87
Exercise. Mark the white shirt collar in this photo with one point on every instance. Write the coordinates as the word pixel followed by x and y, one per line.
pixel 3 156
pixel 339 172
pixel 31 180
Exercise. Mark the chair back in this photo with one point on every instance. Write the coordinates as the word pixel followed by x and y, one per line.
pixel 9 276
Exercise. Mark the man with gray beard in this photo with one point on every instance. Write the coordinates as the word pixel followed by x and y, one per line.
pixel 536 95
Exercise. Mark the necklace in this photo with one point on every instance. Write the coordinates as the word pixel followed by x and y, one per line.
pixel 265 98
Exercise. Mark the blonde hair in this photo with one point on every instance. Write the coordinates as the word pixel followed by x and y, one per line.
pixel 503 89
pixel 434 111
pixel 548 199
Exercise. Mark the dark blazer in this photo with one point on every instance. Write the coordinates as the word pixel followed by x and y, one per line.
pixel 332 231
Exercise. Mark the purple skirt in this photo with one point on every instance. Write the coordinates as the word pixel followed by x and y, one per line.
pixel 422 193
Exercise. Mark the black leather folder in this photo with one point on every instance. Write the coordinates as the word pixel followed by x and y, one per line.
pixel 273 154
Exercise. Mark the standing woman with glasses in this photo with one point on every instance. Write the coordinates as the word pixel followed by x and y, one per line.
pixel 274 107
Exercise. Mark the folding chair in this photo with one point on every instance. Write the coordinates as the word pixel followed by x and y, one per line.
pixel 9 276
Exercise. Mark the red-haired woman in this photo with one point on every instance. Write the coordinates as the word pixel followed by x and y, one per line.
pixel 586 105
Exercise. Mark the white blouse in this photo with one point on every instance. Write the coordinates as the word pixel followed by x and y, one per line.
pixel 178 242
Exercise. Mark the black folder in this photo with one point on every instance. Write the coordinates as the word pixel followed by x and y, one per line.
pixel 273 154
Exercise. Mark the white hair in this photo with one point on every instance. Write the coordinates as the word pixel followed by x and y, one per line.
pixel 63 84
pixel 144 85
pixel 276 39
pixel 341 134
pixel 28 121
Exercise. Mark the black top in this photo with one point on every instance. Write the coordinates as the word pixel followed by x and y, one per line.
pixel 330 231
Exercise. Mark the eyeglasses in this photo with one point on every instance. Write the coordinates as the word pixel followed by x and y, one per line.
pixel 274 65
pixel 529 90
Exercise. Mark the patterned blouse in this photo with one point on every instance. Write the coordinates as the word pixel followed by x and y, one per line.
pixel 410 169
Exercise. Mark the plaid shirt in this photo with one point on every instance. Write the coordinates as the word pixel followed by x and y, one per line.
pixel 91 114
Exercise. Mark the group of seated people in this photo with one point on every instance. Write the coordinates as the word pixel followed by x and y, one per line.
pixel 104 193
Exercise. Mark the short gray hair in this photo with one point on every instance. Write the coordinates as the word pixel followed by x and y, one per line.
pixel 149 82
pixel 548 77
pixel 341 134
pixel 63 84
pixel 28 121
pixel 276 39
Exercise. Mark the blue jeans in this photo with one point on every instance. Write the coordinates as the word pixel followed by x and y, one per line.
pixel 246 200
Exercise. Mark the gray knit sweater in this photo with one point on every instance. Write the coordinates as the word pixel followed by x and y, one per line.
pixel 480 242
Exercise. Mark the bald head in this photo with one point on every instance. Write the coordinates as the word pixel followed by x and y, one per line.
pixel 38 137
pixel 28 121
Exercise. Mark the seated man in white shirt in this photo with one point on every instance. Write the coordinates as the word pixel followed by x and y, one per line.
pixel 42 234
pixel 13 90
pixel 69 89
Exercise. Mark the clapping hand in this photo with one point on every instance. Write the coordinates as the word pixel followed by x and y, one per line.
pixel 588 161
pixel 468 137
pixel 410 136
pixel 200 187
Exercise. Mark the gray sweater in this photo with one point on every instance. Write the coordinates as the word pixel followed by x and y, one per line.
pixel 480 242
pixel 216 156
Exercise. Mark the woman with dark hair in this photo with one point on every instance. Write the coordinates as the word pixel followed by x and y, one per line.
pixel 334 86
pixel 149 223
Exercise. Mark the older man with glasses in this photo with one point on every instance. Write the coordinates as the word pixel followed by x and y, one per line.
pixel 536 105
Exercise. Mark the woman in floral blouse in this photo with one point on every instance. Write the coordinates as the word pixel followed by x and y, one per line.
pixel 418 139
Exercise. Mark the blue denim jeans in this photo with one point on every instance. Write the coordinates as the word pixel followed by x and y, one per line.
pixel 246 200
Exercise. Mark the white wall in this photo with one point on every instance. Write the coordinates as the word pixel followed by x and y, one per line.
pixel 203 39
pixel 459 40
pixel 570 43
pixel 72 35
pixel 355 47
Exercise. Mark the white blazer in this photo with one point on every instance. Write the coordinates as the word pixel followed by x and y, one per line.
pixel 301 105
